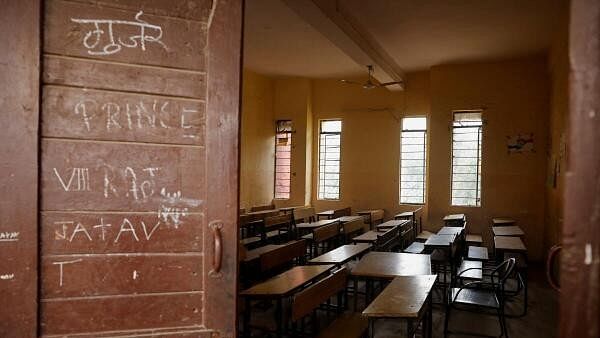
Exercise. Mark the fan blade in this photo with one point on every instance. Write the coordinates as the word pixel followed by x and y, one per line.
pixel 390 83
pixel 351 82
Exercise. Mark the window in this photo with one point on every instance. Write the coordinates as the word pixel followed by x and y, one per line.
pixel 330 134
pixel 283 158
pixel 466 158
pixel 413 145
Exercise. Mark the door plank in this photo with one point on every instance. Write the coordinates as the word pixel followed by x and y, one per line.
pixel 113 116
pixel 115 76
pixel 133 312
pixel 81 30
pixel 113 177
pixel 198 10
pixel 19 112
pixel 93 233
pixel 102 275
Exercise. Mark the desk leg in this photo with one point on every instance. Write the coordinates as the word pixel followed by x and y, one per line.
pixel 279 317
pixel 355 294
pixel 430 317
pixel 247 313
pixel 371 327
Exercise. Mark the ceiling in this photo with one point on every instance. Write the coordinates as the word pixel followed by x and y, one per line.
pixel 416 34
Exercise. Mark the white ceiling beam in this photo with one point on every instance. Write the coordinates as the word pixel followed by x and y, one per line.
pixel 344 31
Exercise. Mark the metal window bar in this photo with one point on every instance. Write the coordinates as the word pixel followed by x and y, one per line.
pixel 283 154
pixel 408 134
pixel 329 156
pixel 473 128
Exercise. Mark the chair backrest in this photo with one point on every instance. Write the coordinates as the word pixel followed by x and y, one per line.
pixel 309 299
pixel 306 214
pixel 502 272
pixel 262 207
pixel 326 232
pixel 285 254
pixel 278 222
pixel 342 212
pixel 386 240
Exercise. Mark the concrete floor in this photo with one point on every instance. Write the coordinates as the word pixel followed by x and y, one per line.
pixel 540 322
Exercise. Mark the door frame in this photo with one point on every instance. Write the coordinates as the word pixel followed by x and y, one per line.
pixel 580 265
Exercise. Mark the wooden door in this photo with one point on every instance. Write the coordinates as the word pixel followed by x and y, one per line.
pixel 580 257
pixel 138 168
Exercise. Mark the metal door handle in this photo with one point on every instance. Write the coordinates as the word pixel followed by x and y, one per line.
pixel 217 248
pixel 549 262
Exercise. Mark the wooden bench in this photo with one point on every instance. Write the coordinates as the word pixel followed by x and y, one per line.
pixel 283 256
pixel 308 301
pixel 424 236
pixel 415 248
pixel 325 236
pixel 479 253
pixel 342 255
pixel 470 270
pixel 262 207
pixel 278 226
pixel 388 240
pixel 475 240
pixel 305 214
pixel 455 220
pixel 353 228
pixel 341 212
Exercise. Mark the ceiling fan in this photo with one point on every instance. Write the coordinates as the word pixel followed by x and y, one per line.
pixel 370 84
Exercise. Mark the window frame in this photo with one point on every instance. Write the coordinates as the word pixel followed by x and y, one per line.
pixel 425 158
pixel 278 132
pixel 339 173
pixel 479 165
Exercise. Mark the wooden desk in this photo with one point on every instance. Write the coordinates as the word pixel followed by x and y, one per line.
pixel 346 219
pixel 392 223
pixel 255 254
pixel 327 214
pixel 502 221
pixel 306 227
pixel 288 210
pixel 509 244
pixel 261 215
pixel 372 216
pixel 405 215
pixel 369 237
pixel 387 265
pixel 407 298
pixel 511 230
pixel 281 286
pixel 454 217
pixel 342 254
pixel 439 241
pixel 455 220
pixel 450 231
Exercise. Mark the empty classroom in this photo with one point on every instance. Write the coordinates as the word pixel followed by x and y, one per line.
pixel 299 168
pixel 417 152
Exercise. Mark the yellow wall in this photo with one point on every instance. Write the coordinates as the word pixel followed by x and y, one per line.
pixel 514 96
pixel 293 102
pixel 370 143
pixel 257 140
